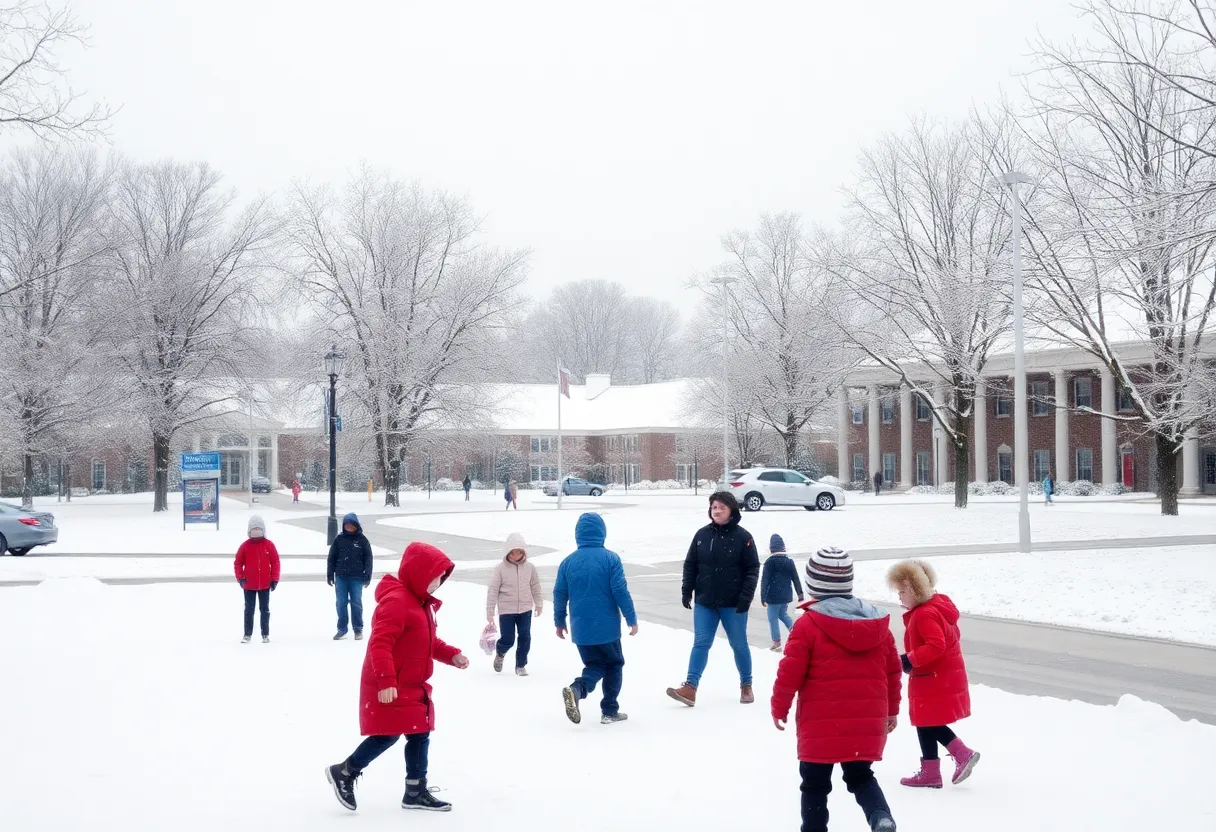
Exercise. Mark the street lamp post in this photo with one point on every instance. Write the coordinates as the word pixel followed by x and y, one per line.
pixel 333 365
pixel 937 438
pixel 724 281
pixel 1021 461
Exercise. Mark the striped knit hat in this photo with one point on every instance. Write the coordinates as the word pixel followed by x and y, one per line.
pixel 829 572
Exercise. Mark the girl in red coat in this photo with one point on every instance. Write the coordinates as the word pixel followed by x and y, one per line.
pixel 937 690
pixel 841 661
pixel 394 696
pixel 257 571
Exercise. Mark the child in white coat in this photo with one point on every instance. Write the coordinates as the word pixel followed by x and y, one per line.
pixel 514 591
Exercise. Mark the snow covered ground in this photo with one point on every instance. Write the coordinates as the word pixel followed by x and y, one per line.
pixel 139 708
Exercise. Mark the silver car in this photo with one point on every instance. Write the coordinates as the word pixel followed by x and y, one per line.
pixel 22 530
pixel 573 486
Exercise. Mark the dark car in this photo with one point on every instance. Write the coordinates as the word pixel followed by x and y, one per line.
pixel 261 485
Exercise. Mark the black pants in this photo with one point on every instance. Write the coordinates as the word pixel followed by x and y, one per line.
pixel 262 598
pixel 929 738
pixel 508 625
pixel 817 784
pixel 606 662
pixel 417 748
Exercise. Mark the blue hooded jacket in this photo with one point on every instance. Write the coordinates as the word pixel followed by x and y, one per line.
pixel 592 580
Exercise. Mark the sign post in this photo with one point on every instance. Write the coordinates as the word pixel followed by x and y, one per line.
pixel 201 489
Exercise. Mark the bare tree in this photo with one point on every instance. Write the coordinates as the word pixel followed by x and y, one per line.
pixel 51 203
pixel 923 287
pixel 399 272
pixel 182 288
pixel 655 332
pixel 584 325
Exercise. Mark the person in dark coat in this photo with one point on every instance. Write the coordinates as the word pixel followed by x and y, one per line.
pixel 349 571
pixel 778 583
pixel 721 570
pixel 467 485
pixel 877 483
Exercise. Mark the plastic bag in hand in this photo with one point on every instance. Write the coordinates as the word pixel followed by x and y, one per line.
pixel 489 639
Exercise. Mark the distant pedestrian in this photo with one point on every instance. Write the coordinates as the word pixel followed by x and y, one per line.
pixel 592 581
pixel 510 491
pixel 295 491
pixel 257 571
pixel 778 583
pixel 514 591
pixel 395 698
pixel 877 483
pixel 938 692
pixel 349 571
pixel 467 484
pixel 1049 486
pixel 722 569
pixel 842 663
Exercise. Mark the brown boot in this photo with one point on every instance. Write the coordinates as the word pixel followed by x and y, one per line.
pixel 746 697
pixel 685 694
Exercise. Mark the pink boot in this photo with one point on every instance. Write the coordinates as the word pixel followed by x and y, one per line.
pixel 929 776
pixel 964 760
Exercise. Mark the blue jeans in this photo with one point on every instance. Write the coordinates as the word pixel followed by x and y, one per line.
pixel 601 661
pixel 416 749
pixel 779 612
pixel 507 625
pixel 705 622
pixel 349 590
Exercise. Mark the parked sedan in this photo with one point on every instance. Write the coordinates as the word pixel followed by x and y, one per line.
pixel 261 485
pixel 22 530
pixel 573 486
pixel 757 487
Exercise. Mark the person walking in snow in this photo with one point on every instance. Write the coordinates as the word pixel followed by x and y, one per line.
pixel 509 492
pixel 938 692
pixel 467 485
pixel 1049 486
pixel 778 583
pixel 349 571
pixel 721 570
pixel 257 571
pixel 877 482
pixel 842 663
pixel 295 491
pixel 591 580
pixel 395 698
pixel 514 590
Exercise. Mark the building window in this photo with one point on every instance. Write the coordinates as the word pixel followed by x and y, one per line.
pixel 1126 405
pixel 681 443
pixel 99 475
pixel 627 474
pixel 859 414
pixel 924 468
pixel 1040 401
pixel 859 467
pixel 1004 467
pixel 544 473
pixel 684 473
pixel 1042 465
pixel 544 444
pixel 1085 464
pixel 923 411
pixel 888 410
pixel 888 468
pixel 1083 392
pixel 1003 406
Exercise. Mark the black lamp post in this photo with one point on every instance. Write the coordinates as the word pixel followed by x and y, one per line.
pixel 333 365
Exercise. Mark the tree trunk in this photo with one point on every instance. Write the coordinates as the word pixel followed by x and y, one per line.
pixel 1167 474
pixel 160 456
pixel 27 487
pixel 790 439
pixel 962 464
pixel 392 483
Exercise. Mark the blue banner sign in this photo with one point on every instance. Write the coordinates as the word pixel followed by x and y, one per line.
pixel 200 463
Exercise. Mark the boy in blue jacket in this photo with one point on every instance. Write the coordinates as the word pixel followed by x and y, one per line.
pixel 776 579
pixel 592 581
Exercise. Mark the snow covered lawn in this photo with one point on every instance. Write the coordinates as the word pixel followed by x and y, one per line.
pixel 137 707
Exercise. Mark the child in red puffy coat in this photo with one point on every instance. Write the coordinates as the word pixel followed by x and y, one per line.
pixel 841 661
pixel 257 571
pixel 394 695
pixel 938 693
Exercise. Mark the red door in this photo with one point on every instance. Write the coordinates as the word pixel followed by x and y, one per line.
pixel 1129 469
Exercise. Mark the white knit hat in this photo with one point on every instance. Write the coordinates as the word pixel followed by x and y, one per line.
pixel 515 540
pixel 256 522
pixel 829 572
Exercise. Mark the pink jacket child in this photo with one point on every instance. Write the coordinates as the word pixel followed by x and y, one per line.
pixel 515 590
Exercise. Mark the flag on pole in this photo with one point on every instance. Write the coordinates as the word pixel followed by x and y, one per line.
pixel 563 382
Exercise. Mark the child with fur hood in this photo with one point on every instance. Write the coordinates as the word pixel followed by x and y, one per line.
pixel 514 590
pixel 938 693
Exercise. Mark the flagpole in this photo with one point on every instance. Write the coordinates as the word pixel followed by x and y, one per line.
pixel 559 435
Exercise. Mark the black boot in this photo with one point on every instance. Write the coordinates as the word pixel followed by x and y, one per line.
pixel 418 796
pixel 882 821
pixel 343 780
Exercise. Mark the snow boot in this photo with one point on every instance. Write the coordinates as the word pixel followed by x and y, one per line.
pixel 776 648
pixel 358 635
pixel 685 694
pixel 498 659
pixel 746 696
pixel 343 781
pixel 882 821
pixel 964 760
pixel 570 698
pixel 245 640
pixel 339 636
pixel 617 717
pixel 929 776
pixel 521 671
pixel 418 796
pixel 265 639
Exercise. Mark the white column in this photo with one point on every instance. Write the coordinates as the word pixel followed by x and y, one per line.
pixel 939 447
pixel 981 431
pixel 872 422
pixel 905 437
pixel 1063 449
pixel 274 460
pixel 842 436
pixel 1110 466
pixel 1190 463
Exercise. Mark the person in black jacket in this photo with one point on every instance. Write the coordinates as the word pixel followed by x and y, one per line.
pixel 349 570
pixel 776 580
pixel 721 569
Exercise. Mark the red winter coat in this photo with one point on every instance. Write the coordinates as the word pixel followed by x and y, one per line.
pixel 257 563
pixel 937 691
pixel 403 647
pixel 847 676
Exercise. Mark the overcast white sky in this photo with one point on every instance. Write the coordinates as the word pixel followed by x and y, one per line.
pixel 617 140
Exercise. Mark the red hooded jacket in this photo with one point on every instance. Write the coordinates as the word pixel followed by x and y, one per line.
pixel 938 693
pixel 847 675
pixel 403 647
pixel 257 563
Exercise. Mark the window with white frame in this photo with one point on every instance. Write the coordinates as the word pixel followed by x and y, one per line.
pixel 543 473
pixel 1003 406
pixel 1083 392
pixel 1040 401
pixel 1004 467
pixel 923 411
pixel 681 443
pixel 544 444
pixel 924 468
pixel 1085 464
pixel 1126 404
pixel 888 468
pixel 683 473
pixel 859 467
pixel 1042 465
pixel 99 475
pixel 888 409
pixel 859 414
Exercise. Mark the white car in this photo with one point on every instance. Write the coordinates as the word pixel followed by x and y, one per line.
pixel 757 487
